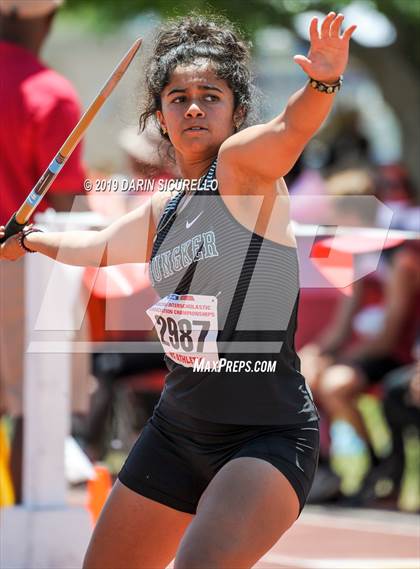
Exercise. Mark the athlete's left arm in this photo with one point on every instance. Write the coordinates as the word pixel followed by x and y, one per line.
pixel 269 150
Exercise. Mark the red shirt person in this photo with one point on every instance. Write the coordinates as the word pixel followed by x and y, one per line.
pixel 38 109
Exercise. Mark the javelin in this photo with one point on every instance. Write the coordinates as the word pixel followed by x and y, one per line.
pixel 20 218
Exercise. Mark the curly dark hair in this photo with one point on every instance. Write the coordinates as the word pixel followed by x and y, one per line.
pixel 184 40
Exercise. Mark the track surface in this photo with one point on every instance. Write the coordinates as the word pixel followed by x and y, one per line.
pixel 337 538
pixel 348 539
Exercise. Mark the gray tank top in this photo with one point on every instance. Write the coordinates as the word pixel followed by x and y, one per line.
pixel 202 249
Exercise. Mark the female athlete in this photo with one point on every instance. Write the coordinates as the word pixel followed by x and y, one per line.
pixel 223 467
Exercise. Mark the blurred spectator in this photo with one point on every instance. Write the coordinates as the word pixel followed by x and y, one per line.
pixel 379 351
pixel 340 146
pixel 147 158
pixel 348 146
pixel 38 109
pixel 374 328
pixel 402 411
pixel 396 190
pixel 147 154
pixel 394 185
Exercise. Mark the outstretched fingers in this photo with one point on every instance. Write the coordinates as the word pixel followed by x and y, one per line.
pixel 328 53
pixel 313 31
pixel 336 25
pixel 330 28
pixel 326 25
pixel 348 33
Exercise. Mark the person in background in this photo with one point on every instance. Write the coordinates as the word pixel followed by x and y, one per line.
pixel 147 155
pixel 397 191
pixel 401 404
pixel 373 331
pixel 38 109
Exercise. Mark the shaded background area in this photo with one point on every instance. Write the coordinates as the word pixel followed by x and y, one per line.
pixel 381 82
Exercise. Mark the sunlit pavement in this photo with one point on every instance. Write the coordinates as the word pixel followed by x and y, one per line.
pixel 338 538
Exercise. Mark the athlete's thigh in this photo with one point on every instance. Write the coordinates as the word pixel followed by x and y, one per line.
pixel 134 532
pixel 242 513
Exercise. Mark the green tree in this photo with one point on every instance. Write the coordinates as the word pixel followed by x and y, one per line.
pixel 395 67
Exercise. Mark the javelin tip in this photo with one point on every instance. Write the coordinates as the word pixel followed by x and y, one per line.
pixel 137 44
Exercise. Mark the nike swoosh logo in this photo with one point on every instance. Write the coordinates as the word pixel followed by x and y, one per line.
pixel 189 223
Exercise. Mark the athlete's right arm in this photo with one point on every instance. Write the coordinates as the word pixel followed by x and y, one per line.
pixel 129 239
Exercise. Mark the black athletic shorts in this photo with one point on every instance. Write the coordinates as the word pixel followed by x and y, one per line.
pixel 177 455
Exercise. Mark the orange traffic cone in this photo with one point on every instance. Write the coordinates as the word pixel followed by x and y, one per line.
pixel 98 489
pixel 7 495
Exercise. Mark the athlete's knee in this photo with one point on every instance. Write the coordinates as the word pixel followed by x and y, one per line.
pixel 339 382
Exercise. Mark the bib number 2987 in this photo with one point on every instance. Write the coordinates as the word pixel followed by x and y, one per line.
pixel 187 327
pixel 178 334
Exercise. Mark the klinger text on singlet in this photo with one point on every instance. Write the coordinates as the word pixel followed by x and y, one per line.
pixel 201 246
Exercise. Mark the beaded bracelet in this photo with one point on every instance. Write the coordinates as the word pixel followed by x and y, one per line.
pixel 329 89
pixel 24 233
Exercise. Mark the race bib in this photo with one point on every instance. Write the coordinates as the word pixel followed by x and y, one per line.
pixel 187 327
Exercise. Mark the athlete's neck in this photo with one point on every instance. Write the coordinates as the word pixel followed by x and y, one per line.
pixel 192 168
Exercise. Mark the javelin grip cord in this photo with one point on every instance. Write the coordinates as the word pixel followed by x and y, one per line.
pixel 12 227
